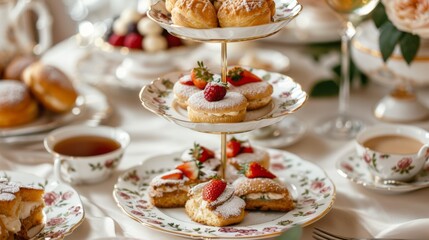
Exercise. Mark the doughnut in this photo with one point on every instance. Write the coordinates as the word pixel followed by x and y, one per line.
pixel 244 13
pixel 17 66
pixel 51 87
pixel 232 108
pixel 258 94
pixel 194 14
pixel 17 107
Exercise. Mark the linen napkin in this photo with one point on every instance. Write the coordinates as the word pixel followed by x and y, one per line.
pixel 415 229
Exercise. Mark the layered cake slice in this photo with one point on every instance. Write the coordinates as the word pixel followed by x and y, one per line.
pixel 213 203
pixel 261 190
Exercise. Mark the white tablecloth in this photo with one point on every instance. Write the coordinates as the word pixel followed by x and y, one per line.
pixel 356 212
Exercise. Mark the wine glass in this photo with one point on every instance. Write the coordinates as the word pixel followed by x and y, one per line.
pixel 344 126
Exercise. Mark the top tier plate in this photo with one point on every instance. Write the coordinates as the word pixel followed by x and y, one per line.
pixel 286 10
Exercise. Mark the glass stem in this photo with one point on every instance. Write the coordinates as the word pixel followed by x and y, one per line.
pixel 344 93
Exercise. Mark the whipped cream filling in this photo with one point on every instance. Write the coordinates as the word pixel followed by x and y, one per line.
pixel 264 196
pixel 12 224
pixel 159 191
pixel 28 207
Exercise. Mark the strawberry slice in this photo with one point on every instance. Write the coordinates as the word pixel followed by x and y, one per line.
pixel 201 153
pixel 213 189
pixel 186 80
pixel 201 75
pixel 255 170
pixel 247 149
pixel 173 175
pixel 238 76
pixel 190 169
pixel 233 147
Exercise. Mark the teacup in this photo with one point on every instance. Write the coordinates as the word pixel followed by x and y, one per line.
pixel 393 152
pixel 84 154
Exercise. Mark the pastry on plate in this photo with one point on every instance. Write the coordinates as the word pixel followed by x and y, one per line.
pixel 183 89
pixel 194 14
pixel 51 87
pixel 213 203
pixel 217 105
pixel 261 190
pixel 244 13
pixel 17 66
pixel 17 106
pixel 209 163
pixel 257 91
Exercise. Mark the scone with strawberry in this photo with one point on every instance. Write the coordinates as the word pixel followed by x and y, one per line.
pixel 217 105
pixel 170 189
pixel 261 190
pixel 191 83
pixel 239 153
pixel 209 163
pixel 257 91
pixel 214 203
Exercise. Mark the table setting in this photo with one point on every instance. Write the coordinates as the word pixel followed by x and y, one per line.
pixel 102 162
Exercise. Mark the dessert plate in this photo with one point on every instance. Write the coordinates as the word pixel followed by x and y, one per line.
pixel 311 188
pixel 92 109
pixel 353 168
pixel 63 208
pixel 286 10
pixel 287 97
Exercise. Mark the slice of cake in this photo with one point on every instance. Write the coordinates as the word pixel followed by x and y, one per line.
pixel 261 190
pixel 213 203
pixel 31 214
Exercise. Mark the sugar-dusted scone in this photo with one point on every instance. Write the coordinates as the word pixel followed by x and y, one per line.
pixel 213 203
pixel 244 13
pixel 183 89
pixel 217 105
pixel 257 91
pixel 261 190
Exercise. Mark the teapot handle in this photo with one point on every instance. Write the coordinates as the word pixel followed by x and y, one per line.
pixel 43 26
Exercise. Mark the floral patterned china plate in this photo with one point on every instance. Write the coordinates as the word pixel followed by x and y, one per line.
pixel 352 167
pixel 63 209
pixel 286 10
pixel 287 97
pixel 312 190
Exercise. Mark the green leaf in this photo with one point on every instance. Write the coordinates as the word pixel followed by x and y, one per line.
pixel 389 37
pixel 379 15
pixel 409 46
pixel 324 88
pixel 293 233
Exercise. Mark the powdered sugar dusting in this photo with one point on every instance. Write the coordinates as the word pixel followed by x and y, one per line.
pixel 184 90
pixel 243 158
pixel 7 197
pixel 227 193
pixel 233 207
pixel 249 89
pixel 231 100
pixel 12 92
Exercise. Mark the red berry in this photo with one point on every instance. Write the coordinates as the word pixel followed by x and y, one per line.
pixel 233 147
pixel 186 80
pixel 201 75
pixel 176 175
pixel 214 91
pixel 133 40
pixel 201 153
pixel 190 169
pixel 213 189
pixel 247 149
pixel 255 170
pixel 116 40
pixel 173 41
pixel 238 76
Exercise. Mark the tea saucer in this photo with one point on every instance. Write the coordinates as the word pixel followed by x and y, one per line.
pixel 353 168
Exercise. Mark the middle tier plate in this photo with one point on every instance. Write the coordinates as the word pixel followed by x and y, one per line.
pixel 287 97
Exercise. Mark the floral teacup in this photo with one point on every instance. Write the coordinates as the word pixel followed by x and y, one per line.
pixel 393 152
pixel 76 161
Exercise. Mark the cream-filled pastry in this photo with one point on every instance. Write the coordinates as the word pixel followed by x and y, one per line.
pixel 183 89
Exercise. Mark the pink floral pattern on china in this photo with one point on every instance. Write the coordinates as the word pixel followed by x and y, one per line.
pixel 403 166
pixel 352 167
pixel 287 97
pixel 63 209
pixel 312 190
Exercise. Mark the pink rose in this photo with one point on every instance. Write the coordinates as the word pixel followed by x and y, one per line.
pixel 409 15
pixel 317 185
pixel 367 158
pixel 55 221
pixel 404 163
pixel 67 195
pixel 50 198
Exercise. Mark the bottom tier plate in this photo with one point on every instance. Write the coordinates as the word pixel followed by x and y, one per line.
pixel 312 190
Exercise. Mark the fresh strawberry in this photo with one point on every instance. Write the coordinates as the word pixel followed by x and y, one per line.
pixel 255 170
pixel 133 40
pixel 213 189
pixel 173 41
pixel 201 153
pixel 190 169
pixel 247 149
pixel 233 147
pixel 238 76
pixel 201 75
pixel 174 175
pixel 186 80
pixel 215 91
pixel 116 40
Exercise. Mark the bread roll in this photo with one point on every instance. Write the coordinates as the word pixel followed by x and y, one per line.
pixel 244 13
pixel 194 14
